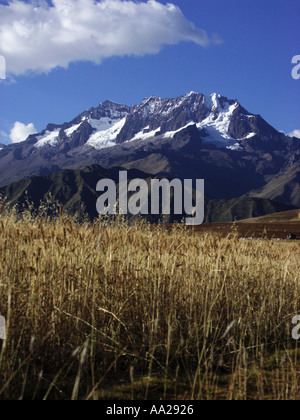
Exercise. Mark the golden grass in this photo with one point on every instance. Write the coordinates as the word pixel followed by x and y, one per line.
pixel 112 311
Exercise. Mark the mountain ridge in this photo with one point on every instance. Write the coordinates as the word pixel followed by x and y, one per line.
pixel 212 137
pixel 75 190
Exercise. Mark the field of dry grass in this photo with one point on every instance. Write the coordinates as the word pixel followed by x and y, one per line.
pixel 140 312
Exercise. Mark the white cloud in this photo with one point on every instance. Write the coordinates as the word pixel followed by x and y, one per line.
pixel 21 131
pixel 37 37
pixel 295 133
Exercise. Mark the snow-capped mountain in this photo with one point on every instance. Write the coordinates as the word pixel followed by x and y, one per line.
pixel 96 127
pixel 167 117
pixel 195 136
pixel 222 122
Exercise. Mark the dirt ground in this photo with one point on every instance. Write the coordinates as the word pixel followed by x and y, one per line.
pixel 253 230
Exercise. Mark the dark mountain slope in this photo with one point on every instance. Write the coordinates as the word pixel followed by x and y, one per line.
pixel 75 189
pixel 285 186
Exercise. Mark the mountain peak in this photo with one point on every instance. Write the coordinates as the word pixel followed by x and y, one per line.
pixel 192 92
pixel 110 104
pixel 221 122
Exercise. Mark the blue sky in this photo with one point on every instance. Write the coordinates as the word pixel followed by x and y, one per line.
pixel 253 64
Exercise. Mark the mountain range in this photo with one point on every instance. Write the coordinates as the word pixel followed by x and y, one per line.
pixel 194 136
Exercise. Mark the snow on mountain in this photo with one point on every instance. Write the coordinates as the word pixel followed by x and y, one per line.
pixel 71 130
pixel 216 122
pixel 146 134
pixel 235 147
pixel 106 133
pixel 250 135
pixel 211 102
pixel 216 125
pixel 50 138
pixel 170 134
pixel 102 124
